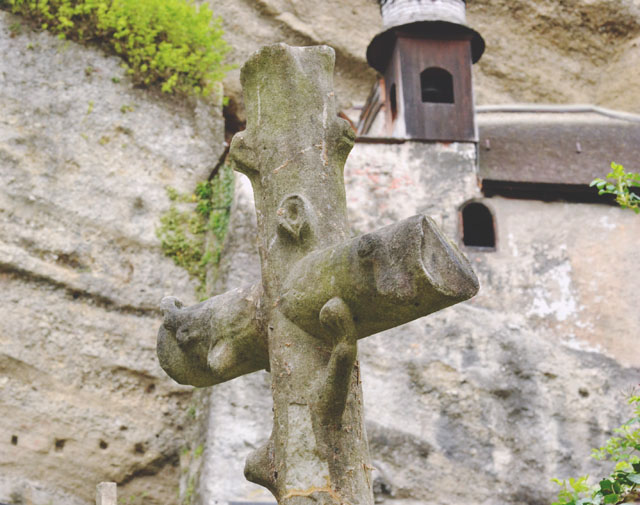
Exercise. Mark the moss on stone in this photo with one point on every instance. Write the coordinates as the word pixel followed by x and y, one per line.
pixel 192 230
pixel 172 44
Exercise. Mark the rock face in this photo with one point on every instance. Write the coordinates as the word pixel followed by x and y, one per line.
pixel 544 51
pixel 84 162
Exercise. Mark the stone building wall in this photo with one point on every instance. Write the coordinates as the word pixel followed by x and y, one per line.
pixel 524 378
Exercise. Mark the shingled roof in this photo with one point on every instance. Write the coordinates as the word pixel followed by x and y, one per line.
pixel 522 148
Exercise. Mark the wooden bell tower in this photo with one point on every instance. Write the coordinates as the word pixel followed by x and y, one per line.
pixel 424 54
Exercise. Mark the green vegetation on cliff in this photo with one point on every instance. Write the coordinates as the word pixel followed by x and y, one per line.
pixel 167 43
pixel 623 485
pixel 192 231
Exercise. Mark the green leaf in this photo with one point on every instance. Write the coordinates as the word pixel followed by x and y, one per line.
pixel 634 477
pixel 606 485
pixel 612 498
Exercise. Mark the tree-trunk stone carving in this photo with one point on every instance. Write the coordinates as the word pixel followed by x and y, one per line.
pixel 320 292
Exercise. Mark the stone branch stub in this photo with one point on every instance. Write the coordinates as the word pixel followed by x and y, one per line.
pixel 320 291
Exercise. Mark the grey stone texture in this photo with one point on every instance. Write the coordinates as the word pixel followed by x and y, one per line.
pixel 82 188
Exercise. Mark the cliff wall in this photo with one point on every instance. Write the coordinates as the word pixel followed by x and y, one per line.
pixel 84 162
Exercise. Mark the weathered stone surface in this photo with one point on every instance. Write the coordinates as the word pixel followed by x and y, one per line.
pixel 517 381
pixel 82 180
pixel 346 26
pixel 235 426
pixel 555 52
pixel 579 51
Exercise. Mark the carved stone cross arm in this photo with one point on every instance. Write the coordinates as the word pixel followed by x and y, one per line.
pixel 320 292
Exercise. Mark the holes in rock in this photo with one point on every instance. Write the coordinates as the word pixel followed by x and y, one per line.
pixel 124 428
pixel 436 85
pixel 478 228
pixel 59 444
pixel 103 445
pixel 138 203
pixel 14 440
pixel 583 392
pixel 150 388
pixel 72 260
pixel 139 448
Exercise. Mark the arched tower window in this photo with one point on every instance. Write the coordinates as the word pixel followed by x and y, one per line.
pixel 437 85
pixel 478 227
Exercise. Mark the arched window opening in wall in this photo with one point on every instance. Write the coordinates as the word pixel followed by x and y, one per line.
pixel 478 226
pixel 394 102
pixel 437 85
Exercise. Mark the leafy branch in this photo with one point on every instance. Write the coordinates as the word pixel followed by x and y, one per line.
pixel 623 484
pixel 621 184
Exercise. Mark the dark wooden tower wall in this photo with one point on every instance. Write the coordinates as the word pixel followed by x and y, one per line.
pixel 433 88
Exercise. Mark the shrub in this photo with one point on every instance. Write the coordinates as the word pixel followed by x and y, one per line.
pixel 624 482
pixel 169 43
pixel 621 184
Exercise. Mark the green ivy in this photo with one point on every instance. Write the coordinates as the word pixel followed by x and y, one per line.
pixel 621 184
pixel 167 43
pixel 623 484
pixel 192 231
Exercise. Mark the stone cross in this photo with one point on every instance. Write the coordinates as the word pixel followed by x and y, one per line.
pixel 321 290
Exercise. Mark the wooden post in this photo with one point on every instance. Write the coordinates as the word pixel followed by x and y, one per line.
pixel 106 493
